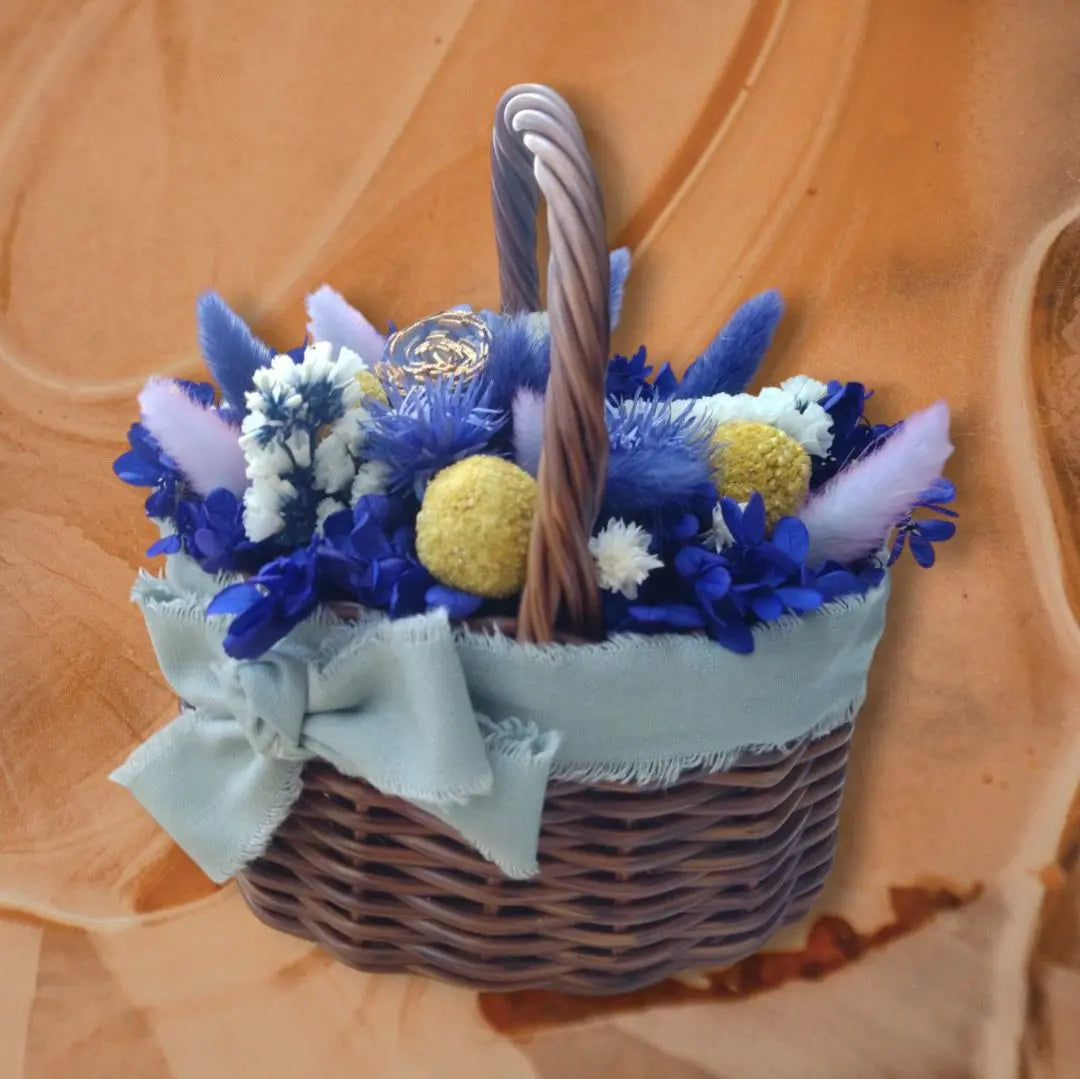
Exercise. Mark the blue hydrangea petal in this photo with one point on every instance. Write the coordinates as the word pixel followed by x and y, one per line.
pixel 235 598
pixel 753 521
pixel 922 550
pixel 767 606
pixel 936 531
pixel 897 546
pixel 256 629
pixel 790 536
pixel 457 604
pixel 165 545
pixel 733 635
pixel 800 599
pixel 675 615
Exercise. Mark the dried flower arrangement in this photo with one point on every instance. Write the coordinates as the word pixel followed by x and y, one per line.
pixel 696 575
pixel 398 473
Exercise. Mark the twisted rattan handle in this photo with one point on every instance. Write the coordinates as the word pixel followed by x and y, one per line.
pixel 537 148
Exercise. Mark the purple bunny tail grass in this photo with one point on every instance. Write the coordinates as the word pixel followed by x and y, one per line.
pixel 736 352
pixel 851 515
pixel 528 412
pixel 204 445
pixel 331 318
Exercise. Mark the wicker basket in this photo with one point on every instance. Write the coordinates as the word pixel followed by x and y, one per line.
pixel 635 882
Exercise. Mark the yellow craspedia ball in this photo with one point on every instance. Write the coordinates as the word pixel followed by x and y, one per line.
pixel 749 457
pixel 371 386
pixel 472 531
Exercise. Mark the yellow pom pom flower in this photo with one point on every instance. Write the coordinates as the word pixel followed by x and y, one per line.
pixel 749 457
pixel 370 386
pixel 472 531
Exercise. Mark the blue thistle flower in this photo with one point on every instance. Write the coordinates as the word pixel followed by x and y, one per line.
pixel 433 425
pixel 659 461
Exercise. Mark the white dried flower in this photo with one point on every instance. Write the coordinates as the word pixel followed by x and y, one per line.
pixel 301 437
pixel 334 465
pixel 804 389
pixel 371 479
pixel 720 535
pixel 621 554
pixel 262 507
pixel 263 462
pixel 298 445
pixel 809 424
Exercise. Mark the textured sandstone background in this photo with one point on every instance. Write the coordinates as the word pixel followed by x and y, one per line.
pixel 907 172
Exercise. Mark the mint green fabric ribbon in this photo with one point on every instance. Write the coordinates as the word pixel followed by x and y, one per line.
pixel 467 726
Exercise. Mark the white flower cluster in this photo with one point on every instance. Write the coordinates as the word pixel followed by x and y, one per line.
pixel 304 425
pixel 621 554
pixel 792 407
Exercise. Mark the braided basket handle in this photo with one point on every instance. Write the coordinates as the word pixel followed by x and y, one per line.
pixel 537 148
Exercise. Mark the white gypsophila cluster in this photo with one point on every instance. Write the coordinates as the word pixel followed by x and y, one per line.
pixel 788 410
pixel 804 389
pixel 622 558
pixel 371 479
pixel 304 426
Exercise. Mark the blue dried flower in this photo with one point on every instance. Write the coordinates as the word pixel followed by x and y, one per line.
pixel 627 378
pixel 710 581
pixel 752 579
pixel 732 358
pixel 145 464
pixel 267 606
pixel 921 534
pixel 519 356
pixel 769 574
pixel 370 555
pixel 853 434
pixel 232 352
pixel 659 462
pixel 212 532
pixel 432 426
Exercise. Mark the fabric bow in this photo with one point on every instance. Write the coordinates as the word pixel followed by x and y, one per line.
pixel 386 701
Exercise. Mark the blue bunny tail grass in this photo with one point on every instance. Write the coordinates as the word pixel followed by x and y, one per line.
pixel 659 459
pixel 733 356
pixel 519 357
pixel 619 263
pixel 232 352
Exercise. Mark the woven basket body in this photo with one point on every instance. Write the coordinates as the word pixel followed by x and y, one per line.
pixel 635 883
